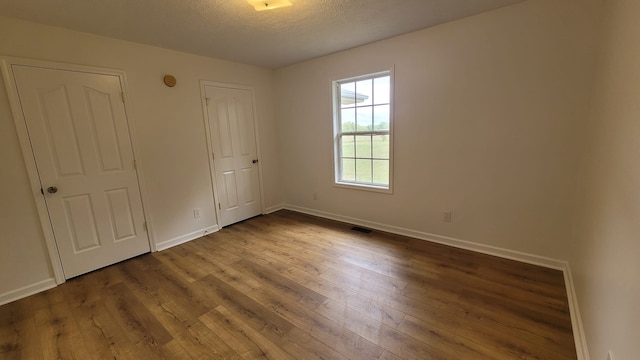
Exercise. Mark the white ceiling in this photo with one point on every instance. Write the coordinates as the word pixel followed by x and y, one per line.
pixel 233 30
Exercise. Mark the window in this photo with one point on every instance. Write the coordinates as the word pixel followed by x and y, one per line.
pixel 362 128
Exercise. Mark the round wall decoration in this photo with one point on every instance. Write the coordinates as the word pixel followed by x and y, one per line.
pixel 169 80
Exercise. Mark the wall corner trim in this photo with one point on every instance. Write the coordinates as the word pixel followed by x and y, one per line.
pixel 186 238
pixel 28 290
pixel 579 335
pixel 272 209
pixel 576 322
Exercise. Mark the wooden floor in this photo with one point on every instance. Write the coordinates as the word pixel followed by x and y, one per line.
pixel 289 286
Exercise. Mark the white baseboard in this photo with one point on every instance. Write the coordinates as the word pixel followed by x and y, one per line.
pixel 273 209
pixel 28 290
pixel 458 243
pixel 186 238
pixel 576 322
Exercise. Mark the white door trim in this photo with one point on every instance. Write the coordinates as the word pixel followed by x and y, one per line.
pixel 203 85
pixel 27 152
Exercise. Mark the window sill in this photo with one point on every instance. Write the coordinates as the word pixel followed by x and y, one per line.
pixel 372 188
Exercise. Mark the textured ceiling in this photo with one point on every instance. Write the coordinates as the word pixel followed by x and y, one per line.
pixel 233 30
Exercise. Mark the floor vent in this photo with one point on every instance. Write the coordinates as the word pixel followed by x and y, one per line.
pixel 361 229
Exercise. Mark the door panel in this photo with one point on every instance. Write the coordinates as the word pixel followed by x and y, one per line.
pixel 247 182
pixel 122 222
pixel 245 130
pixel 103 120
pixel 59 131
pixel 79 135
pixel 81 222
pixel 232 124
pixel 224 129
pixel 230 189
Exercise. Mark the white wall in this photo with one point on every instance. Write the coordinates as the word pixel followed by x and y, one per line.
pixel 488 113
pixel 168 125
pixel 605 261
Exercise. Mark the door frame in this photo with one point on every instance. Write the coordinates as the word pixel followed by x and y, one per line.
pixel 203 85
pixel 6 62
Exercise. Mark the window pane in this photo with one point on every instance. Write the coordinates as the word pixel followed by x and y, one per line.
pixel 348 170
pixel 348 146
pixel 365 118
pixel 362 129
pixel 348 119
pixel 380 146
pixel 363 146
pixel 363 170
pixel 382 89
pixel 381 117
pixel 364 92
pixel 347 94
pixel 381 172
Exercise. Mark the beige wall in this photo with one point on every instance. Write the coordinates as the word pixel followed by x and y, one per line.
pixel 488 113
pixel 605 260
pixel 169 129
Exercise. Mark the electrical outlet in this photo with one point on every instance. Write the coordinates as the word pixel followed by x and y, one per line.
pixel 447 216
pixel 610 356
pixel 196 213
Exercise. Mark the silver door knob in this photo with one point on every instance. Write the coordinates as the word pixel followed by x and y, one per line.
pixel 52 189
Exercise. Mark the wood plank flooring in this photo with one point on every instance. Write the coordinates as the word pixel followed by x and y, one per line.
pixel 291 286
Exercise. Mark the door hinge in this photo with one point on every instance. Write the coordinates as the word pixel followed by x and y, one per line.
pixel 122 96
pixel 135 164
pixel 144 225
pixel 42 191
pixel 206 101
pixel 219 207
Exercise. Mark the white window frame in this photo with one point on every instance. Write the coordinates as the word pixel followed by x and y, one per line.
pixel 337 133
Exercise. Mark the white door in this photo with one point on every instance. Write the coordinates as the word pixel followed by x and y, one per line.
pixel 233 137
pixel 79 135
